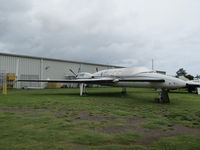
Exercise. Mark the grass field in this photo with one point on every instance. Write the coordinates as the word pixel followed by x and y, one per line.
pixel 59 119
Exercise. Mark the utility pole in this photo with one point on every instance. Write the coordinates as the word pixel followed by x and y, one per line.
pixel 152 64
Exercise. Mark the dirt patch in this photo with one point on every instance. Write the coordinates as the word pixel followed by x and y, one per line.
pixel 61 113
pixel 150 136
pixel 16 109
pixel 32 115
pixel 114 130
pixel 135 120
pixel 77 116
pixel 26 112
pixel 130 123
pixel 76 146
pixel 117 124
pixel 111 124
pixel 88 116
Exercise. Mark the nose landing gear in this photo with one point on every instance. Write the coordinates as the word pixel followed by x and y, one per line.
pixel 82 89
pixel 164 97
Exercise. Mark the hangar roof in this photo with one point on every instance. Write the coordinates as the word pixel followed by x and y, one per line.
pixel 54 59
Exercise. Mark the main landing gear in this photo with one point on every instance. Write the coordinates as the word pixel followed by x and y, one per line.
pixel 82 89
pixel 164 97
pixel 163 94
pixel 124 92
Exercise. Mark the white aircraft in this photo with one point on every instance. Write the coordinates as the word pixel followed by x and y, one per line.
pixel 138 77
pixel 192 85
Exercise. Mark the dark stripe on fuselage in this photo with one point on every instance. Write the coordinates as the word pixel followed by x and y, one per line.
pixel 124 80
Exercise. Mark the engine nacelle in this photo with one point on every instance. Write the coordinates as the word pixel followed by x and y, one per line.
pixel 84 75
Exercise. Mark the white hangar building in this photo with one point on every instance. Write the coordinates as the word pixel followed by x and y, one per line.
pixel 29 67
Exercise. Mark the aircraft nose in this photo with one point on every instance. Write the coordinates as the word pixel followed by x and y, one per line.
pixel 182 83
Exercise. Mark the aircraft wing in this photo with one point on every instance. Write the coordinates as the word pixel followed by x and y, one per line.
pixel 99 80
pixel 192 84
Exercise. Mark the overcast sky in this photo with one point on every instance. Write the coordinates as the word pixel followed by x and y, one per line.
pixel 117 32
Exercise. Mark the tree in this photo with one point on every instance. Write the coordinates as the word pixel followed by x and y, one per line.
pixel 181 72
pixel 197 77
pixel 190 77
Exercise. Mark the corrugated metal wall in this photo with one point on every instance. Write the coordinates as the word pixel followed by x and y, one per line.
pixel 8 63
pixel 41 68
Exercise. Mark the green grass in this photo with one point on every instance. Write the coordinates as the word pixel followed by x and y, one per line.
pixel 178 143
pixel 59 119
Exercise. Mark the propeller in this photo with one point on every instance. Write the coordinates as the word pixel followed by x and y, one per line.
pixel 72 72
pixel 97 70
pixel 79 70
pixel 75 74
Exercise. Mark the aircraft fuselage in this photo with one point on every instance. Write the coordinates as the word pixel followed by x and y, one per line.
pixel 122 77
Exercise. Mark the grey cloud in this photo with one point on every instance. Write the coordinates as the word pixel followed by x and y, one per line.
pixel 125 33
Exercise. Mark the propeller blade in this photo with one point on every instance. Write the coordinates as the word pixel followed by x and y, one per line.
pixel 97 70
pixel 72 72
pixel 79 70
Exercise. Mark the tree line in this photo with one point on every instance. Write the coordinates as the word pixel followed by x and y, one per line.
pixel 182 72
